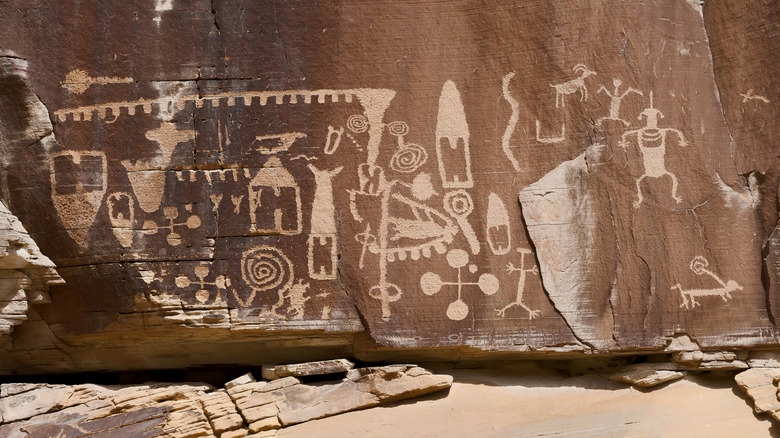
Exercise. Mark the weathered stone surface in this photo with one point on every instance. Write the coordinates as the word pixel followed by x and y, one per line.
pixel 551 177
pixel 334 366
pixel 645 376
pixel 759 385
pixel 194 410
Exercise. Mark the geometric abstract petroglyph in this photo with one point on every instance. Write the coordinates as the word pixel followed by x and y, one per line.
pixel 431 283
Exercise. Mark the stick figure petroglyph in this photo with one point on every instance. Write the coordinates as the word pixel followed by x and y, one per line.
pixel 510 268
pixel 699 267
pixel 652 144
pixel 431 283
pixel 616 98
pixel 572 86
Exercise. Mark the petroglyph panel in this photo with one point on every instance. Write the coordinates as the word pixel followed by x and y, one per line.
pixel 475 181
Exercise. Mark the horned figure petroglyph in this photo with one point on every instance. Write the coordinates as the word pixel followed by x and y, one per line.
pixel 616 98
pixel 652 144
pixel 699 267
pixel 510 268
pixel 572 86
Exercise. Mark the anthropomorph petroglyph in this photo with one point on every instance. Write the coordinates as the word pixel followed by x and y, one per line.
pixel 498 227
pixel 550 139
pixel 699 266
pixel 651 141
pixel 274 201
pixel 616 98
pixel 323 236
pixel 431 283
pixel 78 185
pixel 572 86
pixel 521 284
pixel 452 140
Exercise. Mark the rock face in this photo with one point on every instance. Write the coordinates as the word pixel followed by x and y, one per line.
pixel 250 183
pixel 25 275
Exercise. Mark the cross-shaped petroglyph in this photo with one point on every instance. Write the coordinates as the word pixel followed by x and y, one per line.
pixel 616 98
pixel 222 282
pixel 171 213
pixel 520 285
pixel 431 283
pixel 572 86
pixel 699 266
pixel 652 144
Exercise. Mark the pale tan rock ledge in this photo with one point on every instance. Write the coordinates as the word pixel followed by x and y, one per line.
pixel 520 399
pixel 244 407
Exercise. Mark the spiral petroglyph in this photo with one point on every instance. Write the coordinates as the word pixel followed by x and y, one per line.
pixel 409 158
pixel 357 123
pixel 265 268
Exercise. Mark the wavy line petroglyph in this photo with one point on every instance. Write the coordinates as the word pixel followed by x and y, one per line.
pixel 699 266
pixel 651 141
pixel 513 118
pixel 751 96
